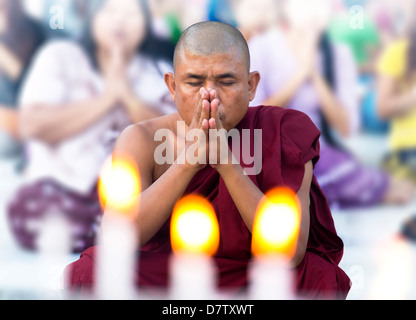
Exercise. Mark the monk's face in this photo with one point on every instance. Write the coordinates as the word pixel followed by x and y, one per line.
pixel 226 73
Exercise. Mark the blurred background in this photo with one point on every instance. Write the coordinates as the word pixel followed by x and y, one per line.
pixel 75 73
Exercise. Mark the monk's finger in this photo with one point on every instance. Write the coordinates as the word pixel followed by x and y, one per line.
pixel 202 95
pixel 212 95
pixel 205 111
pixel 215 117
pixel 205 125
pixel 212 124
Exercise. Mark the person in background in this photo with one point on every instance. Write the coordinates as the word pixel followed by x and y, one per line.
pixel 221 11
pixel 354 24
pixel 20 36
pixel 319 78
pixel 192 11
pixel 396 102
pixel 166 18
pixel 255 17
pixel 394 19
pixel 212 87
pixel 75 102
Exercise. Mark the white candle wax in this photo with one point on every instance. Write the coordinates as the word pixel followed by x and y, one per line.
pixel 117 253
pixel 271 279
pixel 192 277
pixel 54 246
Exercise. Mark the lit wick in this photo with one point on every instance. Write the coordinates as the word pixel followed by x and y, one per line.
pixel 119 189
pixel 274 242
pixel 194 239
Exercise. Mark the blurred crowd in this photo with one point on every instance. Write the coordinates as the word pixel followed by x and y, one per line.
pixel 75 73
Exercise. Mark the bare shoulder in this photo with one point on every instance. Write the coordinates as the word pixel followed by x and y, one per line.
pixel 153 125
pixel 139 138
pixel 138 142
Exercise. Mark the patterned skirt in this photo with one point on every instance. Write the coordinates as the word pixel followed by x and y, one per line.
pixel 32 203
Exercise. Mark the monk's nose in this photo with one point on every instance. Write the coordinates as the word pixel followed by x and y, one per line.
pixel 211 85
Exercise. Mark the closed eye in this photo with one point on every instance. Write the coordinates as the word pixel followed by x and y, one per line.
pixel 227 83
pixel 194 84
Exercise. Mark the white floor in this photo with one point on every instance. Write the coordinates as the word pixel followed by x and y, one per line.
pixel 369 237
pixel 24 274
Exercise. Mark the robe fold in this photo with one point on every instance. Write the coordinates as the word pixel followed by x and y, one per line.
pixel 289 141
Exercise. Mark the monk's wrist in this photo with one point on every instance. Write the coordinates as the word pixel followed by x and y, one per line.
pixel 229 170
pixel 187 168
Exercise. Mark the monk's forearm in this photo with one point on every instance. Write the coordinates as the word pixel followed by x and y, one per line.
pixel 304 200
pixel 158 201
pixel 246 196
pixel 243 191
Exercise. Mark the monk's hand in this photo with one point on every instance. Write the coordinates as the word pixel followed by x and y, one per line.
pixel 195 153
pixel 220 155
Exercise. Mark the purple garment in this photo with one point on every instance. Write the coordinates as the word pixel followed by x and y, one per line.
pixel 347 183
pixel 344 181
pixel 33 202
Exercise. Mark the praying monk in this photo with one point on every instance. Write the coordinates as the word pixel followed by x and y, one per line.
pixel 212 87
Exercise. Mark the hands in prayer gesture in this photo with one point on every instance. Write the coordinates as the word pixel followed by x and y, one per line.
pixel 206 127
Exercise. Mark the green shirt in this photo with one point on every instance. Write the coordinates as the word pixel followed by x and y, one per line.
pixel 359 40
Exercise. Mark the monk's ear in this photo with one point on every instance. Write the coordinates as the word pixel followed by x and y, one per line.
pixel 170 83
pixel 253 82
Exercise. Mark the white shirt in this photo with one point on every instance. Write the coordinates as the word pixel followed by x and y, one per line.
pixel 62 73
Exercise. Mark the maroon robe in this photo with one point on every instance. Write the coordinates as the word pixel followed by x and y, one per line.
pixel 289 141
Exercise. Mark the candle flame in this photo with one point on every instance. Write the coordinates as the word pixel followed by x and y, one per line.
pixel 194 226
pixel 119 185
pixel 277 223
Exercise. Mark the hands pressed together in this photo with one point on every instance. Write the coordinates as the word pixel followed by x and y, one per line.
pixel 211 146
pixel 117 86
pixel 119 91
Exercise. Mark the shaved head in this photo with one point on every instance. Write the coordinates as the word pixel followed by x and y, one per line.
pixel 209 38
pixel 212 57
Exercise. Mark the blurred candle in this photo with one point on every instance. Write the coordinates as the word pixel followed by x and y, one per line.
pixel 54 245
pixel 194 238
pixel 119 189
pixel 394 272
pixel 274 242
